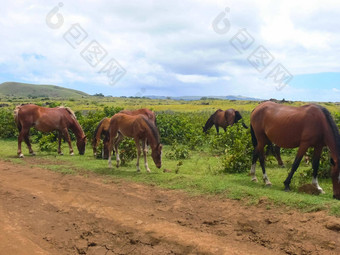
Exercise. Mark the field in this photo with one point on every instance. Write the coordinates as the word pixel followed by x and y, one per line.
pixel 204 174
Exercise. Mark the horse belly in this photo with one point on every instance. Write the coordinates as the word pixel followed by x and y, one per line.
pixel 287 138
pixel 46 126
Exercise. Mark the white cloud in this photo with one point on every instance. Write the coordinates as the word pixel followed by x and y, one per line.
pixel 164 45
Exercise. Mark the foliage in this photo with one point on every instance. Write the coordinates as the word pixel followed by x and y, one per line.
pixel 127 151
pixel 325 166
pixel 178 151
pixel 8 128
pixel 48 142
pixel 239 149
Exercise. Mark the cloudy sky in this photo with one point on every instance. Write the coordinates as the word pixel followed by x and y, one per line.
pixel 264 49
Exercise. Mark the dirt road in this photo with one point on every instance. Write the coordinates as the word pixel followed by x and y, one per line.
pixel 43 212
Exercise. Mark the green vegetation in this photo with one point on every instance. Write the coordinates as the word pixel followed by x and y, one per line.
pixel 192 161
pixel 16 89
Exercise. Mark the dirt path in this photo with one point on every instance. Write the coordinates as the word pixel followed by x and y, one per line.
pixel 42 212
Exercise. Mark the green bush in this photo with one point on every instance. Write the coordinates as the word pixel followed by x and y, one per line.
pixel 48 142
pixel 178 151
pixel 128 151
pixel 238 150
pixel 8 127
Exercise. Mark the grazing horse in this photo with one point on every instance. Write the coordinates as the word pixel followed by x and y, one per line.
pixel 223 119
pixel 47 120
pixel 291 127
pixel 139 128
pixel 103 129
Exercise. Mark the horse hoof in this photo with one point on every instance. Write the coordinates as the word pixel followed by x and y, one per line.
pixel 148 170
pixel 32 154
pixel 254 179
pixel 321 191
pixel 61 154
pixel 287 189
pixel 283 166
pixel 21 155
pixel 71 154
pixel 268 184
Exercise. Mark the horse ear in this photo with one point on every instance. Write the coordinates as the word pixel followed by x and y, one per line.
pixel 332 162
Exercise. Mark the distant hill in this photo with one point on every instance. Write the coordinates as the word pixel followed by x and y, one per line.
pixel 17 89
pixel 191 98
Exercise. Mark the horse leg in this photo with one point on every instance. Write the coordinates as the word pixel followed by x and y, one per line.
pixel 138 153
pixel 113 141
pixel 253 166
pixel 315 164
pixel 145 151
pixel 277 155
pixel 68 139
pixel 28 143
pixel 116 143
pixel 59 143
pixel 302 150
pixel 217 129
pixel 22 135
pixel 262 163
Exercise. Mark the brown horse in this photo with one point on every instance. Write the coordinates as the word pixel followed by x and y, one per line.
pixel 291 127
pixel 223 119
pixel 139 128
pixel 47 120
pixel 103 129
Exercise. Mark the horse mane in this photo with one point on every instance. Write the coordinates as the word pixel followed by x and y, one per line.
pixel 333 127
pixel 96 131
pixel 153 128
pixel 68 110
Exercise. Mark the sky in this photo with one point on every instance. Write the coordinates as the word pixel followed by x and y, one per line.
pixel 263 49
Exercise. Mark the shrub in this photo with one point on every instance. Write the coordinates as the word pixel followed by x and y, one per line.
pixel 48 142
pixel 238 150
pixel 8 128
pixel 128 151
pixel 178 151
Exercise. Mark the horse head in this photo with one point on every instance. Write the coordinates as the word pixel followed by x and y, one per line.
pixel 157 155
pixel 81 142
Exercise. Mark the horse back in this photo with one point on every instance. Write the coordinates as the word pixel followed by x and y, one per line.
pixel 288 126
pixel 144 111
pixel 44 119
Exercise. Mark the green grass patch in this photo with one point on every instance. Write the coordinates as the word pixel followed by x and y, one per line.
pixel 202 173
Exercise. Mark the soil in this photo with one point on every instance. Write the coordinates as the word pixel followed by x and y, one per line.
pixel 44 212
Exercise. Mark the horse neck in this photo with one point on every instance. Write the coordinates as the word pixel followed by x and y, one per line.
pixel 153 141
pixel 210 122
pixel 76 129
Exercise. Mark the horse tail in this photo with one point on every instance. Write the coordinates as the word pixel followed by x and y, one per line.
pixel 253 137
pixel 97 132
pixel 238 117
pixel 16 117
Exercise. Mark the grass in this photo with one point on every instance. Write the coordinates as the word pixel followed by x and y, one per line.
pixel 201 174
pixel 25 90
